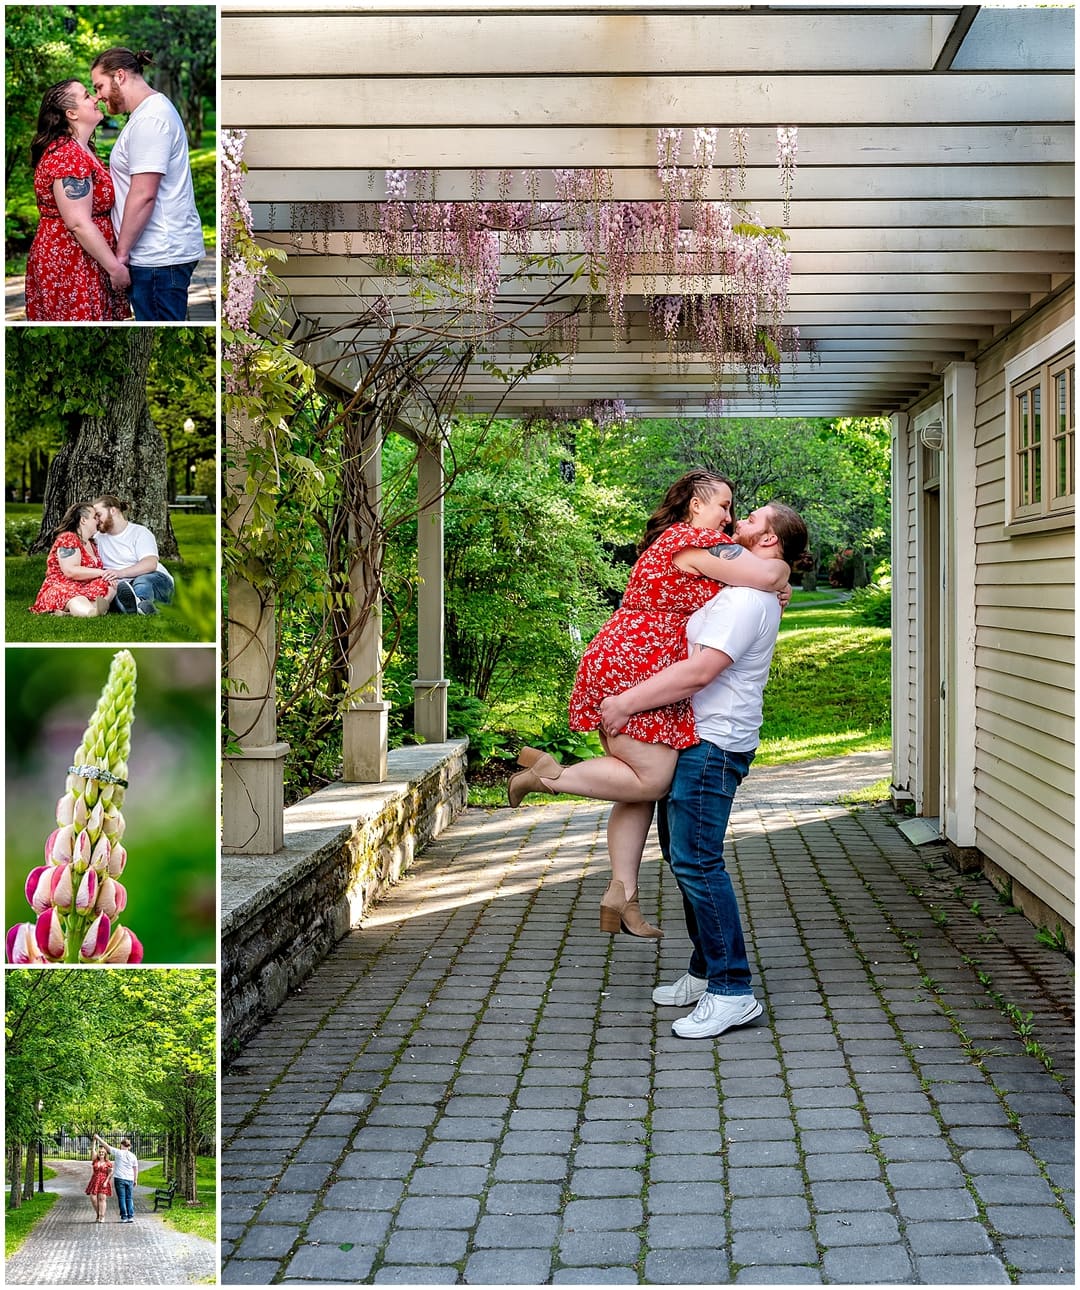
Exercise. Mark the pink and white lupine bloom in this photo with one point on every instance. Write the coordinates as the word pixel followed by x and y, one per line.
pixel 75 894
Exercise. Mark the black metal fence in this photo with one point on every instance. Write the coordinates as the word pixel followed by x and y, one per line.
pixel 80 1146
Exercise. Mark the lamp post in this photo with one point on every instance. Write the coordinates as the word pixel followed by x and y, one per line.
pixel 39 1106
pixel 189 430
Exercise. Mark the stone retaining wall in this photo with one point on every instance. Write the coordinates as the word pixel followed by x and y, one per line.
pixel 281 914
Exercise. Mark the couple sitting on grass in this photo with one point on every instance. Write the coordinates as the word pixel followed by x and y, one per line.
pixel 100 561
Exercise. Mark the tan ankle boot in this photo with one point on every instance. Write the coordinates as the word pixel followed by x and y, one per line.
pixel 617 914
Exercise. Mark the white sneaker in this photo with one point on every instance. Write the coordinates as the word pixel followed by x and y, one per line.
pixel 716 1013
pixel 687 989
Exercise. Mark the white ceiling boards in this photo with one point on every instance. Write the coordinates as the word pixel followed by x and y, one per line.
pixel 932 203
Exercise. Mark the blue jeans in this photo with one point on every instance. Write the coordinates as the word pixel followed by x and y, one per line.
pixel 155 587
pixel 693 825
pixel 125 1196
pixel 160 294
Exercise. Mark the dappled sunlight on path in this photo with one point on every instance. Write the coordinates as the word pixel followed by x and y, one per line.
pixel 476 1086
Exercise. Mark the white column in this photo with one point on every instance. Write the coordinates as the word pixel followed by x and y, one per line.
pixel 901 605
pixel 253 809
pixel 958 608
pixel 430 686
pixel 364 723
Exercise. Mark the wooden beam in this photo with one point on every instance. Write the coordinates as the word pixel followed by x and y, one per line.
pixel 379 147
pixel 329 45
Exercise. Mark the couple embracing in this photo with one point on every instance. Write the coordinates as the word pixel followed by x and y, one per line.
pixel 110 236
pixel 100 561
pixel 674 683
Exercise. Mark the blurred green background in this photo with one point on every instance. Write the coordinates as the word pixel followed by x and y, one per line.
pixel 171 804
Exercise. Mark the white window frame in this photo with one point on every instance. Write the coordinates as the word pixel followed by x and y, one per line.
pixel 1050 513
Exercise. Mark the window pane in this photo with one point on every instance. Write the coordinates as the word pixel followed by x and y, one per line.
pixel 1022 419
pixel 1036 481
pixel 1036 415
pixel 1061 384
pixel 1062 468
pixel 1025 481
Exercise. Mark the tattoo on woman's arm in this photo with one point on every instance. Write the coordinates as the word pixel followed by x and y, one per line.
pixel 726 551
pixel 65 551
pixel 75 187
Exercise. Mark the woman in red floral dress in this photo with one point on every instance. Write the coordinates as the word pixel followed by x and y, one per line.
pixel 99 1188
pixel 72 273
pixel 74 582
pixel 675 575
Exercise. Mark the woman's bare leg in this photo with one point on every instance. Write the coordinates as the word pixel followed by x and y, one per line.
pixel 80 607
pixel 627 830
pixel 629 772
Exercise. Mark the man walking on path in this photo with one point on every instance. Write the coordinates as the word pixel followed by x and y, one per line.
pixel 731 644
pixel 125 1176
pixel 158 229
pixel 130 555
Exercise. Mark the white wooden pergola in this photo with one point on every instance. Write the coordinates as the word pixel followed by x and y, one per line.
pixel 932 202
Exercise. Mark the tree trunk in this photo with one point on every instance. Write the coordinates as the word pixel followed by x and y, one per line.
pixel 121 452
pixel 28 1173
pixel 14 1173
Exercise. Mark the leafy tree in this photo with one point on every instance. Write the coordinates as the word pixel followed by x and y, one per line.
pixel 835 473
pixel 91 385
pixel 99 1049
pixel 182 39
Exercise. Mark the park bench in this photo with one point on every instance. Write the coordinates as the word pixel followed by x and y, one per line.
pixel 192 502
pixel 164 1195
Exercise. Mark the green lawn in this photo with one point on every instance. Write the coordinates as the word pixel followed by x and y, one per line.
pixel 829 689
pixel 828 693
pixel 18 1222
pixel 196 1220
pixel 191 618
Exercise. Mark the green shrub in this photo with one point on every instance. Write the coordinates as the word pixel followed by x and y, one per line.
pixel 204 180
pixel 872 605
pixel 468 717
pixel 565 744
pixel 18 535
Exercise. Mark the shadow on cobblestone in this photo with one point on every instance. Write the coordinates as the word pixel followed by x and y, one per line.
pixel 476 1087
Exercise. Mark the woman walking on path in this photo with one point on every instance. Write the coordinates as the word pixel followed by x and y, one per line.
pixel 684 559
pixel 99 1188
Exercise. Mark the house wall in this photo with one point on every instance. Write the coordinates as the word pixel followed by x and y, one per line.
pixel 1024 673
pixel 1023 727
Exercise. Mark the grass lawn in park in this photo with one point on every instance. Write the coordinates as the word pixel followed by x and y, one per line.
pixel 195 1220
pixel 18 1222
pixel 190 618
pixel 830 685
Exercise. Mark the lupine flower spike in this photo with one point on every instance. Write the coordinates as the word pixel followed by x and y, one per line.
pixel 76 894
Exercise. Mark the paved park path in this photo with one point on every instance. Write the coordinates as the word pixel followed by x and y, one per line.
pixel 69 1247
pixel 201 295
pixel 476 1088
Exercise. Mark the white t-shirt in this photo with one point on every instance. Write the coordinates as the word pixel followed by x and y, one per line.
pixel 125 1165
pixel 153 142
pixel 743 623
pixel 120 550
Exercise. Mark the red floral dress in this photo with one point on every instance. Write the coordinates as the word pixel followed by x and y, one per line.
pixel 646 634
pixel 63 282
pixel 58 588
pixel 100 1183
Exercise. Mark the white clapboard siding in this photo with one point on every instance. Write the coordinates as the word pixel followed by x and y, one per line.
pixel 1024 659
